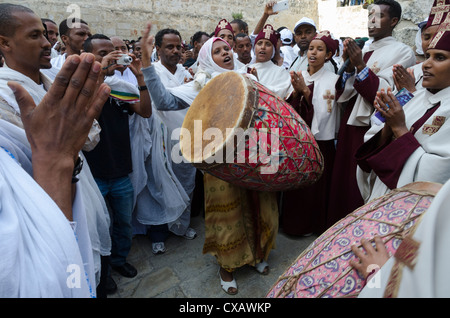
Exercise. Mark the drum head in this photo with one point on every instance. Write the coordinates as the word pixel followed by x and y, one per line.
pixel 220 104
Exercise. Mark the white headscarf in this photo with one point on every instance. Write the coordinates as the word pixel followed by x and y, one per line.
pixel 207 69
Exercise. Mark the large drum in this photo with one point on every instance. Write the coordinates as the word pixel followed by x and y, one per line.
pixel 324 270
pixel 241 132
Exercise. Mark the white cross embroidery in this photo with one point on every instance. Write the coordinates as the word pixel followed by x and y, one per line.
pixel 223 24
pixel 329 98
pixel 268 32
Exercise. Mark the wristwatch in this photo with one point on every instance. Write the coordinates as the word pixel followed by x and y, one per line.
pixel 77 169
pixel 142 88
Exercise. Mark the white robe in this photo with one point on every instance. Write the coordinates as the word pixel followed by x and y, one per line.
pixel 386 53
pixel 431 161
pixel 41 256
pixel 325 122
pixel 170 185
pixel 275 78
pixel 430 277
pixel 127 76
pixel 94 207
pixel 288 55
pixel 300 63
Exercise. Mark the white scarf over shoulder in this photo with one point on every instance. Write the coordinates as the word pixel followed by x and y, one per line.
pixel 41 254
pixel 94 207
pixel 37 92
pixel 165 187
pixel 275 78
pixel 386 53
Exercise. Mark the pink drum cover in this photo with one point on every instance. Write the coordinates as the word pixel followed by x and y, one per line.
pixel 323 269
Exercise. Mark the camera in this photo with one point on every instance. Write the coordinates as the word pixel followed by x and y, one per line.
pixel 124 59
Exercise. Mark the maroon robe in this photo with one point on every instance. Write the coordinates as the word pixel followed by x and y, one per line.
pixel 345 196
pixel 304 210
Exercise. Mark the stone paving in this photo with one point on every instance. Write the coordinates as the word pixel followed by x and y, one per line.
pixel 184 272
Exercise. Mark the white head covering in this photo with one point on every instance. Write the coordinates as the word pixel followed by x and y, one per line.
pixel 418 40
pixel 286 36
pixel 207 68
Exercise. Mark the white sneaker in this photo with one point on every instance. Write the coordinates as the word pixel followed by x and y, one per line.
pixel 158 248
pixel 190 234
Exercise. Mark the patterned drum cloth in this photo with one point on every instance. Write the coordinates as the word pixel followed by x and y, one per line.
pixel 324 270
pixel 239 131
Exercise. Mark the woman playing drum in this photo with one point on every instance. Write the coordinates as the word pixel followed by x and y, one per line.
pixel 240 225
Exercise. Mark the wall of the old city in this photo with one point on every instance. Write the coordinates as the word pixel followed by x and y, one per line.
pixel 126 18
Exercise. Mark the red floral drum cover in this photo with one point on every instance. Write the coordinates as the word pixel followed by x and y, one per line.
pixel 239 131
pixel 324 270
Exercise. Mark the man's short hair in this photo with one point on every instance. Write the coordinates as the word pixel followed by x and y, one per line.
pixel 241 35
pixel 8 23
pixel 395 9
pixel 87 46
pixel 198 36
pixel 242 24
pixel 44 20
pixel 159 36
pixel 64 28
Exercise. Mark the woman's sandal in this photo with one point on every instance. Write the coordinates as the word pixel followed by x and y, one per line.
pixel 227 285
pixel 262 268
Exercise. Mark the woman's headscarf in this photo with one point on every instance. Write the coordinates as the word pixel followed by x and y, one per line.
pixel 207 68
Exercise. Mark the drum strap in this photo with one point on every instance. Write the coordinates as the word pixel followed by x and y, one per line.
pixel 406 255
pixel 255 103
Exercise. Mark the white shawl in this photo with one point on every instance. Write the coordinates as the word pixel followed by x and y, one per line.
pixel 431 161
pixel 165 187
pixel 41 256
pixel 37 92
pixel 275 78
pixel 95 207
pixel 386 53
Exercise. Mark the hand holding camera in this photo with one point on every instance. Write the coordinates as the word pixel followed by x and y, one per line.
pixel 115 60
pixel 124 59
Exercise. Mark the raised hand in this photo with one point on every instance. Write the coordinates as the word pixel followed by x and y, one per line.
pixel 58 127
pixel 147 46
pixel 404 78
pixel 387 104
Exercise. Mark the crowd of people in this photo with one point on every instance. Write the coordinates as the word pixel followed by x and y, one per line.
pixel 87 139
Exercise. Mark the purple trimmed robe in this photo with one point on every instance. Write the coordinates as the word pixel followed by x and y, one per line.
pixel 345 196
pixel 304 210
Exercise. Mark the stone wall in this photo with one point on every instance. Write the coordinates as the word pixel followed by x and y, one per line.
pixel 126 18
pixel 352 20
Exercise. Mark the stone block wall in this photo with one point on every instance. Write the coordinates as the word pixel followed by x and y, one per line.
pixel 126 18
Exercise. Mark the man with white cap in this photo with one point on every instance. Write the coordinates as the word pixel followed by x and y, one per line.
pixel 286 48
pixel 305 30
